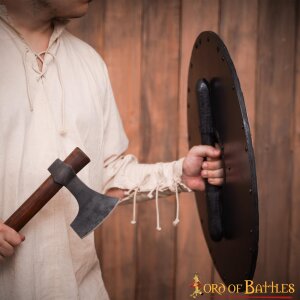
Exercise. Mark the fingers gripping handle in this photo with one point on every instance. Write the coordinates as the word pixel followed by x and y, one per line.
pixel 77 160
pixel 213 193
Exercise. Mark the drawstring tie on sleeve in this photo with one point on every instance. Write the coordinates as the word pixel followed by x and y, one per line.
pixel 133 221
pixel 176 221
pixel 176 187
pixel 157 210
pixel 158 189
pixel 150 196
pixel 135 192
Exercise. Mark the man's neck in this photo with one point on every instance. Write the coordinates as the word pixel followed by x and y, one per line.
pixel 35 27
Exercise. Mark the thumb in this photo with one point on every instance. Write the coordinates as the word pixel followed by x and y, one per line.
pixel 22 237
pixel 206 151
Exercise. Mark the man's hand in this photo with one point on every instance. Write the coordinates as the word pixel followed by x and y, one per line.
pixel 195 169
pixel 9 240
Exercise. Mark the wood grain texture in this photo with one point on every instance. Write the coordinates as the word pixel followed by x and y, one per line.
pixel 122 54
pixel 113 28
pixel 90 27
pixel 192 252
pixel 238 30
pixel 274 108
pixel 147 46
pixel 294 251
pixel 159 123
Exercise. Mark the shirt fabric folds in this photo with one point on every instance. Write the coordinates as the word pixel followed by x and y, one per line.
pixel 44 115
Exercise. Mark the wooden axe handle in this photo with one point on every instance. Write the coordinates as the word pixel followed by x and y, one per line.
pixel 77 160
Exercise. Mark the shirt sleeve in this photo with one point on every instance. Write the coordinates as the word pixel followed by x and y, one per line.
pixel 139 181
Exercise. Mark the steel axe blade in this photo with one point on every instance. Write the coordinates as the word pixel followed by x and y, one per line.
pixel 93 206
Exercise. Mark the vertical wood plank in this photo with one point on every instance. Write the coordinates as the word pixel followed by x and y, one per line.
pixel 122 54
pixel 90 28
pixel 294 263
pixel 119 30
pixel 114 29
pixel 274 108
pixel 238 29
pixel 192 252
pixel 159 123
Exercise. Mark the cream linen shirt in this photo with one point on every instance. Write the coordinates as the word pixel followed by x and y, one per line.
pixel 45 115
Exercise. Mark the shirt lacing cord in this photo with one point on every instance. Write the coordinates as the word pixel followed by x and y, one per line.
pixel 41 76
pixel 177 183
pixel 135 192
pixel 157 189
pixel 133 221
pixel 27 80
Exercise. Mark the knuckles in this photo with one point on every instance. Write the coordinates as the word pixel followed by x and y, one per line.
pixel 216 181
pixel 7 233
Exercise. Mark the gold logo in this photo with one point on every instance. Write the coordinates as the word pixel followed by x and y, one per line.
pixel 196 285
pixel 267 289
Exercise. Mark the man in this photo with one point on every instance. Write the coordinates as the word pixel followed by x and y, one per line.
pixel 55 95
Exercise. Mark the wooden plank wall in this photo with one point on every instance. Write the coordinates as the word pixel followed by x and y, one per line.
pixel 146 45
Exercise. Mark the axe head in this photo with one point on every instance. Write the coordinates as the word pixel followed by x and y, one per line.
pixel 93 209
pixel 93 206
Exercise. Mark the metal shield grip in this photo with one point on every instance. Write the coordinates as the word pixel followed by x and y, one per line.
pixel 230 224
pixel 208 137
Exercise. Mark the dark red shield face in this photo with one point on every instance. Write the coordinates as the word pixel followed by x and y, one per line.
pixel 234 252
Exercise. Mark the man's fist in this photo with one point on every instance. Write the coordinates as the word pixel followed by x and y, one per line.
pixel 9 239
pixel 195 169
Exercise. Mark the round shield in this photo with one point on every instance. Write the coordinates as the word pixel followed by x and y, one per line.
pixel 229 217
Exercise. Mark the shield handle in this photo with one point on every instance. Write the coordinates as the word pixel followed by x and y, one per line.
pixel 208 137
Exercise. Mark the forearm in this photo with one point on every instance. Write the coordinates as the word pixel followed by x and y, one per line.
pixel 130 181
pixel 116 193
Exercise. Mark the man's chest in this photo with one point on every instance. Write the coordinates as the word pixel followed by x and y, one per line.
pixel 63 94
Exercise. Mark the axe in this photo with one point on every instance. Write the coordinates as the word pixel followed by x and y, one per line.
pixel 93 207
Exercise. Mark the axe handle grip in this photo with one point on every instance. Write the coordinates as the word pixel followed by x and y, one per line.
pixel 208 137
pixel 77 159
